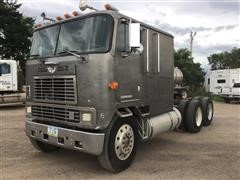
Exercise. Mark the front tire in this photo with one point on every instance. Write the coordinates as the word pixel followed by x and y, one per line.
pixel 194 116
pixel 44 147
pixel 120 145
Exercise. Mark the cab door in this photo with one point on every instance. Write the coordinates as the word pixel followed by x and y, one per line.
pixel 127 68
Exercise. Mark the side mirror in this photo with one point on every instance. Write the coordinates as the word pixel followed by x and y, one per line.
pixel 134 35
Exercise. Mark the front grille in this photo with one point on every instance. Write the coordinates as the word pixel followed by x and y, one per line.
pixel 55 89
pixel 56 113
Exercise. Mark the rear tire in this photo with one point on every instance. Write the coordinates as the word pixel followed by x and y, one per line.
pixel 44 147
pixel 120 145
pixel 227 100
pixel 194 116
pixel 208 110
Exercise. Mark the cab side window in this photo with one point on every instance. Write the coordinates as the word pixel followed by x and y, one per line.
pixel 122 38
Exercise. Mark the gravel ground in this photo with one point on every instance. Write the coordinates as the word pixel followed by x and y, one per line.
pixel 214 153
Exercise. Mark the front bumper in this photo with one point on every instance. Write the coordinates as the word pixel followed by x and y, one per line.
pixel 91 143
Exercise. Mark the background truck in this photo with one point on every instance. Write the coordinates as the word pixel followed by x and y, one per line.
pixel 224 78
pixel 101 82
pixel 10 88
pixel 231 93
pixel 225 83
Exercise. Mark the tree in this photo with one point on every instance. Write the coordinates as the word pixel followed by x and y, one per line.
pixel 225 60
pixel 193 75
pixel 15 32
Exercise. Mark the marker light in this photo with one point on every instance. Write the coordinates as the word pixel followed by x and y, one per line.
pixel 67 16
pixel 59 18
pixel 110 7
pixel 75 13
pixel 37 25
pixel 113 85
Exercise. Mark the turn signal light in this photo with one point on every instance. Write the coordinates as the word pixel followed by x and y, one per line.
pixel 109 7
pixel 67 16
pixel 113 85
pixel 38 26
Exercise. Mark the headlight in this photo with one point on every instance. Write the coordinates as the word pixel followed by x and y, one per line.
pixel 86 117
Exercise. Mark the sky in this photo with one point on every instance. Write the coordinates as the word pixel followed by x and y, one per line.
pixel 217 22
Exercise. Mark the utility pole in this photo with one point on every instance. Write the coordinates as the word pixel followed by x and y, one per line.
pixel 192 35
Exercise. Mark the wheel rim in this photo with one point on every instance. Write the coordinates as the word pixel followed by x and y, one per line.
pixel 210 111
pixel 198 116
pixel 124 142
pixel 184 94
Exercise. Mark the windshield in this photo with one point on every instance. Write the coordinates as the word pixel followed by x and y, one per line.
pixel 236 85
pixel 44 42
pixel 88 35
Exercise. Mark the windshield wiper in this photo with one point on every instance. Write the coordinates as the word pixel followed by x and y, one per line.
pixel 74 53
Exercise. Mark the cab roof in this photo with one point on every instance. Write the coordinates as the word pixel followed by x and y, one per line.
pixel 114 14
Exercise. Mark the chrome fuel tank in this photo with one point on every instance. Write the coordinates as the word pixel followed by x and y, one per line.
pixel 178 76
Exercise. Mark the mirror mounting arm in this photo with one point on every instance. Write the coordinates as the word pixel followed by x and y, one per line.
pixel 126 54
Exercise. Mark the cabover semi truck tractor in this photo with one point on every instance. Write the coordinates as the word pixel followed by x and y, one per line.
pixel 102 82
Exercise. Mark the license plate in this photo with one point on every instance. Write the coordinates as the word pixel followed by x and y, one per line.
pixel 52 131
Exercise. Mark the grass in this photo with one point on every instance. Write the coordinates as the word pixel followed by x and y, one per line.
pixel 217 98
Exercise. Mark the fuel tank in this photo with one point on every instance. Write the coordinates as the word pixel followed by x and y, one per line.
pixel 178 76
pixel 165 122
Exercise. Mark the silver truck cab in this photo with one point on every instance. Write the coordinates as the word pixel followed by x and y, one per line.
pixel 99 83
